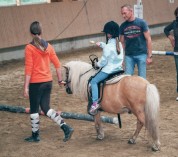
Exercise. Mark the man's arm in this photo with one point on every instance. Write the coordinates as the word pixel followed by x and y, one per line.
pixel 167 31
pixel 172 40
pixel 122 41
pixel 149 46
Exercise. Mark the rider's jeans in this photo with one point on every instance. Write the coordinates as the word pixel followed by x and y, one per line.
pixel 140 60
pixel 94 84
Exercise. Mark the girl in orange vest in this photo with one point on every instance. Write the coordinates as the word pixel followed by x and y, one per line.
pixel 38 82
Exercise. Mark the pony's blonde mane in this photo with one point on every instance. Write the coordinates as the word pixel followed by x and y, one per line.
pixel 79 77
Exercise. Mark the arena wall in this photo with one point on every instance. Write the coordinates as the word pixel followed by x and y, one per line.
pixel 71 24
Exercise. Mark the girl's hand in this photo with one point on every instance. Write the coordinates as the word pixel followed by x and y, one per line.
pixel 61 82
pixel 26 93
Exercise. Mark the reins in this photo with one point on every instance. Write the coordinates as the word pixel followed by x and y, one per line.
pixel 84 73
pixel 95 59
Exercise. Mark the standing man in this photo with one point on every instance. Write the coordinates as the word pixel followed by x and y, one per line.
pixel 136 41
pixel 173 37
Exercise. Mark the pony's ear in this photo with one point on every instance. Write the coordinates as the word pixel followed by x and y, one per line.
pixel 66 67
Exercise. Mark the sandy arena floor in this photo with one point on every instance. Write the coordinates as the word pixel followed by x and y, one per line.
pixel 14 127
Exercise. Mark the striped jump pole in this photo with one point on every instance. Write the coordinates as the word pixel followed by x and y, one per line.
pixel 66 115
pixel 167 53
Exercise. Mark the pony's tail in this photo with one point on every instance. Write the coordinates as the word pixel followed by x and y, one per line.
pixel 152 111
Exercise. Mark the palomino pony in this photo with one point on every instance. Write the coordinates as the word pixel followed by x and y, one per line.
pixel 131 94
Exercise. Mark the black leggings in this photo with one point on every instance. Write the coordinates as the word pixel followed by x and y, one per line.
pixel 39 94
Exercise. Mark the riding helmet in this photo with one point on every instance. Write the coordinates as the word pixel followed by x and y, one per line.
pixel 111 28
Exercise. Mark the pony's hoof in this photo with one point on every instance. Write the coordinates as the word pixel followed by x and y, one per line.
pixel 93 113
pixel 100 137
pixel 155 148
pixel 131 141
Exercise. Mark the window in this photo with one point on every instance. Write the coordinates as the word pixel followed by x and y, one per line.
pixel 8 2
pixel 4 3
pixel 56 0
pixel 21 2
pixel 24 2
pixel 171 1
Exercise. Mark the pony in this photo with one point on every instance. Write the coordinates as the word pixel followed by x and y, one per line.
pixel 131 94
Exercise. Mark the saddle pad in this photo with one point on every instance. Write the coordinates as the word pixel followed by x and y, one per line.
pixel 116 79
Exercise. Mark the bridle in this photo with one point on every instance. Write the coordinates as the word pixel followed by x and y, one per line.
pixel 67 82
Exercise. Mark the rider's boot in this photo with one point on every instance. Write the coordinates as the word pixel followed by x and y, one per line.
pixel 94 108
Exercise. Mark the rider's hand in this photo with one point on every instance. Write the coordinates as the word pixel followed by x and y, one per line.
pixel 96 67
pixel 98 43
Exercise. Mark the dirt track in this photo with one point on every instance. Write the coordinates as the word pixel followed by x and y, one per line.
pixel 14 127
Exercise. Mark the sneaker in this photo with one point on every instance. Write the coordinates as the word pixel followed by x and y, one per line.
pixel 177 99
pixel 94 108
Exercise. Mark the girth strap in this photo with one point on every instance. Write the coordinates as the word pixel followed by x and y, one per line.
pixel 119 120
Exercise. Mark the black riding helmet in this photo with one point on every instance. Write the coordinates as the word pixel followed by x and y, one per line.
pixel 111 28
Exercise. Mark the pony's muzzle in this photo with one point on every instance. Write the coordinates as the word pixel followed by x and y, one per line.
pixel 68 90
